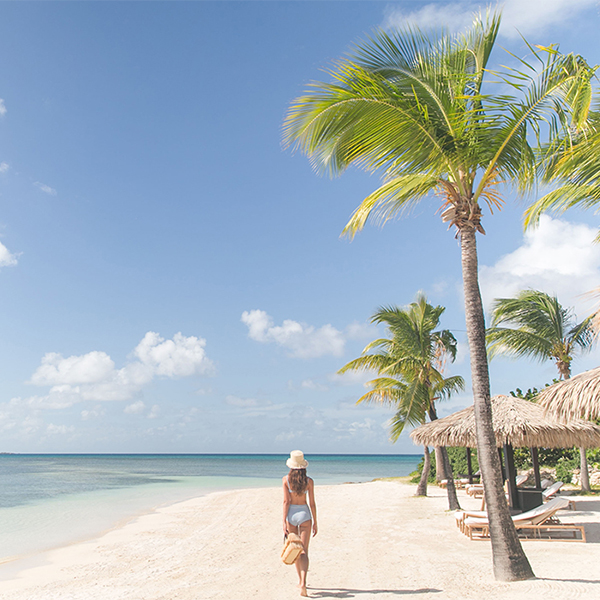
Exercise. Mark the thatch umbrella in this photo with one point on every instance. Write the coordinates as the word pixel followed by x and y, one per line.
pixel 517 423
pixel 578 397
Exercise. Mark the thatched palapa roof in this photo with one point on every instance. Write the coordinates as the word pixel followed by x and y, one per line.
pixel 516 421
pixel 578 397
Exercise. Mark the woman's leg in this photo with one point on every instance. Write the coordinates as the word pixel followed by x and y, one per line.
pixel 302 562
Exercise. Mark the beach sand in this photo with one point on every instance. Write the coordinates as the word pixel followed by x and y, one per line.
pixel 376 541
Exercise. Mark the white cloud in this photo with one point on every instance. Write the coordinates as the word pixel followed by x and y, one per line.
pixel 360 331
pixel 2 107
pixel 154 411
pixel 89 368
pixel 241 402
pixel 4 167
pixel 558 257
pixel 95 413
pixel 518 16
pixel 45 188
pixel 52 429
pixel 6 258
pixel 180 357
pixel 203 391
pixel 136 408
pixel 301 340
pixel 311 384
pixel 352 377
pixel 93 376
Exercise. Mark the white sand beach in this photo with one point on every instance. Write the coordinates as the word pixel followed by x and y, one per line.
pixel 376 541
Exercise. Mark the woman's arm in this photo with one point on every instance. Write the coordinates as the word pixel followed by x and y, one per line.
pixel 312 504
pixel 287 500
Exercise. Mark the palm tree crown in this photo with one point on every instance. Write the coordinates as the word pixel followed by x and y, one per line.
pixel 541 328
pixel 414 107
pixel 409 363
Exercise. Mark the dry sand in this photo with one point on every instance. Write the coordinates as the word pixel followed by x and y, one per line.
pixel 376 541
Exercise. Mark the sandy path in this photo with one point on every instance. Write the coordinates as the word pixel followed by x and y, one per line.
pixel 376 541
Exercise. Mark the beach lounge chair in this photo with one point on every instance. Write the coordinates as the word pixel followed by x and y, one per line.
pixel 475 490
pixel 521 479
pixel 531 524
pixel 458 483
pixel 552 490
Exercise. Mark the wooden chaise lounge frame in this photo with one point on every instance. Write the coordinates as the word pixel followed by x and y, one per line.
pixel 530 525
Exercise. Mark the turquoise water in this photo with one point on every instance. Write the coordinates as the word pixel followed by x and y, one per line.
pixel 47 501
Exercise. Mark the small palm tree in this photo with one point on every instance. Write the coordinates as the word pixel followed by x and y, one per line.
pixel 540 328
pixel 414 108
pixel 409 368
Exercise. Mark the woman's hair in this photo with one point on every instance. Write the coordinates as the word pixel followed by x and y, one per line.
pixel 298 480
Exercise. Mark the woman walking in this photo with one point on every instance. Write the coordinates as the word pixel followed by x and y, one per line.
pixel 297 516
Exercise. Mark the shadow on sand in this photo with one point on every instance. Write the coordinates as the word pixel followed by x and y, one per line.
pixel 347 593
pixel 595 581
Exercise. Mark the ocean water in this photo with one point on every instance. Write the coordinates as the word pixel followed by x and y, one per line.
pixel 48 501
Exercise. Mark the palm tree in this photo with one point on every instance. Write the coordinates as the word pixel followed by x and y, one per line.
pixel 540 328
pixel 409 368
pixel 413 107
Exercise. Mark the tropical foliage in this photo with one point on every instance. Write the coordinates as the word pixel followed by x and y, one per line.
pixel 576 170
pixel 544 330
pixel 540 328
pixel 409 366
pixel 409 363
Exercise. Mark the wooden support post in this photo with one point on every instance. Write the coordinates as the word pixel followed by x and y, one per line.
pixel 511 475
pixel 469 465
pixel 536 467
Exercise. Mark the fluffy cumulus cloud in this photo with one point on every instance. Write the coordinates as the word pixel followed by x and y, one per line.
pixel 299 339
pixel 558 257
pixel 94 376
pixel 7 259
pixel 88 368
pixel 518 17
pixel 4 167
pixel 2 107
pixel 179 357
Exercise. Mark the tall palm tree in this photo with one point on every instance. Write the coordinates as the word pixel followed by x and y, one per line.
pixel 540 328
pixel 410 378
pixel 414 108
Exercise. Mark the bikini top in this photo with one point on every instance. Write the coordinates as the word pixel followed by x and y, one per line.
pixel 291 492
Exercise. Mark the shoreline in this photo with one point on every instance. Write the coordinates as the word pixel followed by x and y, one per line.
pixel 376 540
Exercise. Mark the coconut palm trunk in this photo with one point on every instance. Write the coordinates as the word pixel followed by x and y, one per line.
pixel 440 471
pixel 585 471
pixel 510 562
pixel 422 487
pixel 443 464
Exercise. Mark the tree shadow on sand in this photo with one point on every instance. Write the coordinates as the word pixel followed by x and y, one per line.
pixel 348 593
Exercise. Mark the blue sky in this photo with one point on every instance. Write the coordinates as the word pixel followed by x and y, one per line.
pixel 172 279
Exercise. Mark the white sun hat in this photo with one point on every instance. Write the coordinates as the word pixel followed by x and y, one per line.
pixel 296 460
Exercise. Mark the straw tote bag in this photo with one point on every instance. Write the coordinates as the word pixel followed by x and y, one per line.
pixel 292 548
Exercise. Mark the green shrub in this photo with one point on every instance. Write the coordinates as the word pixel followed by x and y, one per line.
pixel 458 462
pixel 548 457
pixel 564 469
